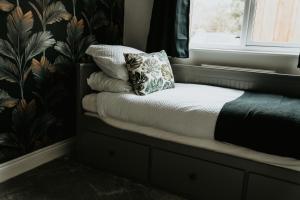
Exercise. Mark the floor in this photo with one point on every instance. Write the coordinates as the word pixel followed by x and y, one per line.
pixel 64 179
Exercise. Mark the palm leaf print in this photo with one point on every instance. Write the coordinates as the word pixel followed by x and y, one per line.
pixel 38 43
pixel 21 47
pixel 6 6
pixel 74 7
pixel 95 18
pixel 41 68
pixel 75 46
pixel 19 26
pixel 29 131
pixel 7 49
pixel 50 13
pixel 6 101
pixel 8 71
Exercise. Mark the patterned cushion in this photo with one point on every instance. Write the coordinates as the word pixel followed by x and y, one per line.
pixel 149 73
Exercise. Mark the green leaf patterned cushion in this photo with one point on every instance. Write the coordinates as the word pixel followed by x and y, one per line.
pixel 149 73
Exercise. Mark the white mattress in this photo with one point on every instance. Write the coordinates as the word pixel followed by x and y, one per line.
pixel 186 114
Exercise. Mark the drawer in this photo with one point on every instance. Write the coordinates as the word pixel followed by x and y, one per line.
pixel 124 158
pixel 262 188
pixel 195 178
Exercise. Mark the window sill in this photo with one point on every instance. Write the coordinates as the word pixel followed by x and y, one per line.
pixel 277 61
pixel 251 50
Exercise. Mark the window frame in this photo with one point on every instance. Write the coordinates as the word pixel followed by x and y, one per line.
pixel 247 44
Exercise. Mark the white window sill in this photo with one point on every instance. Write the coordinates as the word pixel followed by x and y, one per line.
pixel 284 61
pixel 251 50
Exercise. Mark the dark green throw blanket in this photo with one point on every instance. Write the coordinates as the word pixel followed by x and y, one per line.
pixel 263 122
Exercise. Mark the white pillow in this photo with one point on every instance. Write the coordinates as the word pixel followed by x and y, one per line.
pixel 110 59
pixel 98 81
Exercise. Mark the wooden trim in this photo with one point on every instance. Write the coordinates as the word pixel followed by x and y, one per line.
pixel 32 160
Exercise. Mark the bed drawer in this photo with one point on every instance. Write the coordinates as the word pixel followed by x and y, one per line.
pixel 124 158
pixel 263 188
pixel 195 178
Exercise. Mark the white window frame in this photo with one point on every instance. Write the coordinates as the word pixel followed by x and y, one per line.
pixel 247 44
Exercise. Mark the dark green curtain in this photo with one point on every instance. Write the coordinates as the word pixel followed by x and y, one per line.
pixel 169 28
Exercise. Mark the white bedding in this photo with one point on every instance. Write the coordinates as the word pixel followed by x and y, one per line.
pixel 188 109
pixel 186 114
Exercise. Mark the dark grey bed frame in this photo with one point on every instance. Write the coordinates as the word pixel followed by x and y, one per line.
pixel 191 172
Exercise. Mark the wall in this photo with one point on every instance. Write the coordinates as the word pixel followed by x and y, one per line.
pixel 40 43
pixel 137 23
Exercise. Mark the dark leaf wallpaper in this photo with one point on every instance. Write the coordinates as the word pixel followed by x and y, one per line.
pixel 40 43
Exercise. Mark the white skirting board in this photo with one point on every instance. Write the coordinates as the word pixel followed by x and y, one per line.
pixel 32 160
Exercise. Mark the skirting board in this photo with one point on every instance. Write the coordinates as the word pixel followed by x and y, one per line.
pixel 32 160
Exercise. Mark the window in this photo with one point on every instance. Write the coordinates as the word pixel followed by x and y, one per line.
pixel 242 24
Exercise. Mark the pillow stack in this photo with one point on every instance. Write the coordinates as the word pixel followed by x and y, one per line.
pixel 124 68
pixel 114 75
pixel 98 81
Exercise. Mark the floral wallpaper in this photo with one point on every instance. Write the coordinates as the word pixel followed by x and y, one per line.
pixel 40 43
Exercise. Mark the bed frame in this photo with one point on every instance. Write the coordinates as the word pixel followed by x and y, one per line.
pixel 191 172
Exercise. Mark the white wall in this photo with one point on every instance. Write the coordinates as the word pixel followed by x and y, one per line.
pixel 136 28
pixel 137 22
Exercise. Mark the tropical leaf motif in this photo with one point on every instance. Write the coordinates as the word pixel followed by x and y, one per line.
pixel 95 18
pixel 64 49
pixel 42 68
pixel 106 4
pixel 37 11
pixel 23 111
pixel 7 140
pixel 89 6
pixel 56 12
pixel 6 6
pixel 103 18
pixel 19 26
pixel 100 20
pixel 84 44
pixel 22 118
pixel 22 46
pixel 7 50
pixel 29 130
pixel 38 43
pixel 6 101
pixel 75 46
pixel 8 71
pixel 50 13
pixel 42 3
pixel 75 31
pixel 74 7
pixel 39 131
pixel 61 59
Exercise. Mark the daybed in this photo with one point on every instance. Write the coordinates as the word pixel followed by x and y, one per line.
pixel 181 162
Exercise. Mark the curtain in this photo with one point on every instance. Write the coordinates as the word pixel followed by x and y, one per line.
pixel 169 29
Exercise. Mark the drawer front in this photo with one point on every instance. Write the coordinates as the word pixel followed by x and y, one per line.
pixel 124 158
pixel 195 178
pixel 263 188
